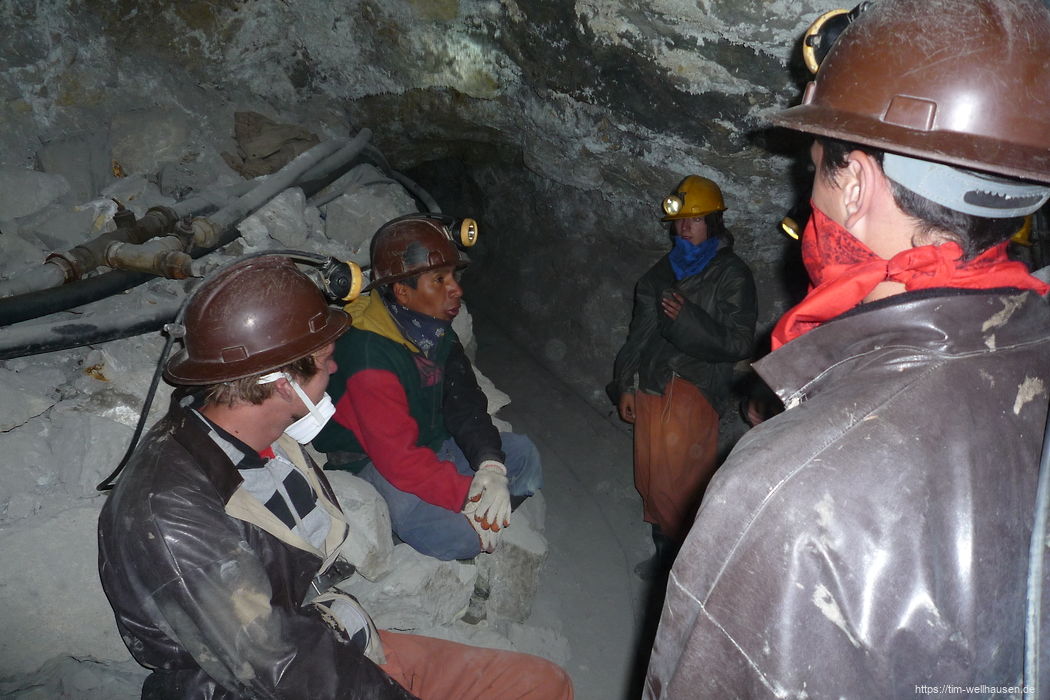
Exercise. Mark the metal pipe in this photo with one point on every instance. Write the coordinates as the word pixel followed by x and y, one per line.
pixel 163 257
pixel 87 257
pixel 33 301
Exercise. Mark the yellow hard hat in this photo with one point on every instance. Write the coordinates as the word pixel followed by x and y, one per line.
pixel 695 196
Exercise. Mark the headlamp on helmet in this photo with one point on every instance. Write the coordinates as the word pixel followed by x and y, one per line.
pixel 822 34
pixel 417 243
pixel 673 204
pixel 694 197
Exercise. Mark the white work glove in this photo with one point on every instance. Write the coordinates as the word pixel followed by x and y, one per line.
pixel 488 500
pixel 489 538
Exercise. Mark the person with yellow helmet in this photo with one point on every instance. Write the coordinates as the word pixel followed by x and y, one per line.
pixel 873 539
pixel 694 317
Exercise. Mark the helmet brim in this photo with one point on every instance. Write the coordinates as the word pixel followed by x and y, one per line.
pixel 979 153
pixel 183 370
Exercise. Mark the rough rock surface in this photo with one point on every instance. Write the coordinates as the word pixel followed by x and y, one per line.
pixel 559 126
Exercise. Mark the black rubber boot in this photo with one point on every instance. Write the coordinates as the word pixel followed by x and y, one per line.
pixel 660 563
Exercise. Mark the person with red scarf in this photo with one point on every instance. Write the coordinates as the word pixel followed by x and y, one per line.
pixel 873 539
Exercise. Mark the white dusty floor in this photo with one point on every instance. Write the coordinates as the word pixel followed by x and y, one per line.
pixel 588 591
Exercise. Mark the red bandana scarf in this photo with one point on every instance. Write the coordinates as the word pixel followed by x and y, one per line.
pixel 844 271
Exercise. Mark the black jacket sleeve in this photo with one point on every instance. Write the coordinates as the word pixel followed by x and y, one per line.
pixel 643 325
pixel 466 411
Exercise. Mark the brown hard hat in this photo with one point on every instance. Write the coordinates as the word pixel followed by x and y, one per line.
pixel 253 317
pixel 410 245
pixel 962 82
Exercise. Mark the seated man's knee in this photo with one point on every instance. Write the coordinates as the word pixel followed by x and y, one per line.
pixel 446 541
pixel 524 468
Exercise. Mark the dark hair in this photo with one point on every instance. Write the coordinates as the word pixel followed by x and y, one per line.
pixel 249 390
pixel 387 290
pixel 974 234
pixel 716 227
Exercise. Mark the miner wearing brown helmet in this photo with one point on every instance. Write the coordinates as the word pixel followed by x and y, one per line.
pixel 873 539
pixel 410 418
pixel 219 543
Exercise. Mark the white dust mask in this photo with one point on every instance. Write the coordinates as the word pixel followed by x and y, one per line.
pixel 306 428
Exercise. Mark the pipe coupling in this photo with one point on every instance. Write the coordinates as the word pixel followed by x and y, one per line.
pixel 159 256
pixel 68 263
pixel 205 233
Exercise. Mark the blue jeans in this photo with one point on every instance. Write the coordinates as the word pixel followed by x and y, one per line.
pixel 442 533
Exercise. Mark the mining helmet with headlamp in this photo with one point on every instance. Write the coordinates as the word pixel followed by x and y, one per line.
pixel 417 243
pixel 946 89
pixel 694 197
pixel 254 316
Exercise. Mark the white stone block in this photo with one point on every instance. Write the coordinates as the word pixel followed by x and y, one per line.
pixel 370 547
pixel 282 219
pixel 513 572
pixel 420 591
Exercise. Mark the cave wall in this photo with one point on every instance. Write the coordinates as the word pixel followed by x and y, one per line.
pixel 560 126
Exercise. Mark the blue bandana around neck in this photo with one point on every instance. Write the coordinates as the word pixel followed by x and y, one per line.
pixel 688 259
pixel 425 332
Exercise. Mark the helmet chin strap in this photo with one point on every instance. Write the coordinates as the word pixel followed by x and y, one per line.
pixel 274 376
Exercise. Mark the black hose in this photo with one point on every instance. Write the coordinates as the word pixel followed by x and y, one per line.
pixel 86 330
pixel 48 301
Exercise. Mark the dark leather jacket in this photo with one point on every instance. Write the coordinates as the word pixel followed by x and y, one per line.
pixel 874 537
pixel 714 330
pixel 213 602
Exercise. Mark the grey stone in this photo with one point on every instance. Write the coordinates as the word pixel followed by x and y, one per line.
pixel 61 227
pixel 25 395
pixel 354 217
pixel 144 139
pixel 539 641
pixel 88 437
pixel 80 678
pixel 194 172
pixel 534 511
pixel 137 193
pixel 23 192
pixel 513 571
pixel 28 478
pixel 82 158
pixel 51 601
pixel 370 546
pixel 21 252
pixel 419 592
pixel 282 219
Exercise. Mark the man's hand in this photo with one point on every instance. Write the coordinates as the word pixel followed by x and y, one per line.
pixel 489 538
pixel 672 303
pixel 626 407
pixel 488 500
